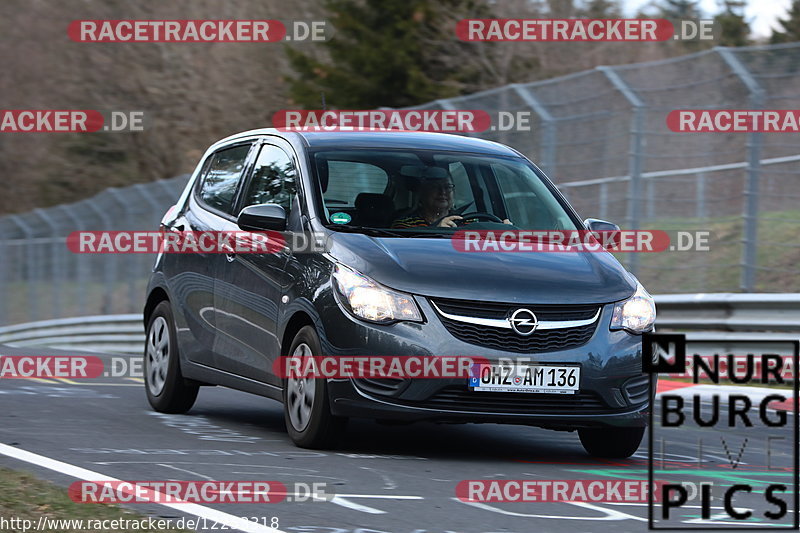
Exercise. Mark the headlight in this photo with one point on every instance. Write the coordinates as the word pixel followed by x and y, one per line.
pixel 637 314
pixel 370 301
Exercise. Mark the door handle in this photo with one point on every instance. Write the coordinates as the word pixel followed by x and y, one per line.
pixel 230 255
pixel 176 233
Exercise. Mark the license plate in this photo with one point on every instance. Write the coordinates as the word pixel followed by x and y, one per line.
pixel 550 379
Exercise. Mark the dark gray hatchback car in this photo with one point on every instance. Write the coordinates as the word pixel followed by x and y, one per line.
pixel 390 282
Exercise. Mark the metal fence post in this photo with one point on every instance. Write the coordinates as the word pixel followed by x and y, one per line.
pixel 30 264
pixel 700 195
pixel 650 203
pixel 751 192
pixel 604 200
pixel 634 155
pixel 79 260
pixel 129 267
pixel 4 281
pixel 56 266
pixel 547 159
pixel 111 269
pixel 504 135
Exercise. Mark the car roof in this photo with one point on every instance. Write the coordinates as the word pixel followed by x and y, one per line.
pixel 387 139
pixel 404 139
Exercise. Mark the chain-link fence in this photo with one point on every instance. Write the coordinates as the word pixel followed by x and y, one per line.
pixel 40 278
pixel 601 135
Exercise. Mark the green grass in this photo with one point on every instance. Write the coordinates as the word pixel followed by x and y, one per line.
pixel 25 497
pixel 718 270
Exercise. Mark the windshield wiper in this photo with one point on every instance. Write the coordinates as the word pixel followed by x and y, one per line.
pixel 372 232
pixel 381 232
pixel 432 234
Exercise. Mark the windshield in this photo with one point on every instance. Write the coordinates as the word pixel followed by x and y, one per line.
pixel 407 193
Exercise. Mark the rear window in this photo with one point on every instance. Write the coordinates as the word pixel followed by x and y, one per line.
pixel 348 179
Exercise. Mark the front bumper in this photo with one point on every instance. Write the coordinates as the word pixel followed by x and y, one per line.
pixel 613 389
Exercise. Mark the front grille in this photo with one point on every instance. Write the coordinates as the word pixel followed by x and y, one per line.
pixel 460 398
pixel 542 341
pixel 504 310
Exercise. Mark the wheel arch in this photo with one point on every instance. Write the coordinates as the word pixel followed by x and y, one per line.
pixel 156 296
pixel 297 321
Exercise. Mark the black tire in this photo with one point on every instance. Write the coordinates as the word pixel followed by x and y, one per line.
pixel 166 389
pixel 308 417
pixel 611 442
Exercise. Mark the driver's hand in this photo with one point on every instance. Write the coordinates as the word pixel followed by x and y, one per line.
pixel 449 222
pixel 506 221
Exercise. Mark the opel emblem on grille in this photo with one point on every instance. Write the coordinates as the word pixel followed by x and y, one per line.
pixel 523 321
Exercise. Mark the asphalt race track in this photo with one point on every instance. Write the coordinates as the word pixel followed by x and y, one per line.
pixel 398 478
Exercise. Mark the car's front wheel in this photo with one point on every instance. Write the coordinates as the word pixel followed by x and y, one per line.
pixel 611 442
pixel 167 391
pixel 306 407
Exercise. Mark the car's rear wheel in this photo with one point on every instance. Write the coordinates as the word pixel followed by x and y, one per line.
pixel 306 406
pixel 611 442
pixel 167 391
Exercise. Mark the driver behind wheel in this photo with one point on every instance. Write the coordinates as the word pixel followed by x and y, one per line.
pixel 434 206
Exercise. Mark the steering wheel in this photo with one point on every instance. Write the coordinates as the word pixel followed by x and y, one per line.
pixel 475 214
pixel 479 214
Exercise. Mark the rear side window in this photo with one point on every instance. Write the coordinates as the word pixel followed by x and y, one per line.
pixel 348 179
pixel 222 177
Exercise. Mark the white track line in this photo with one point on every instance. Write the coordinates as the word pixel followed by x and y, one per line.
pixel 194 509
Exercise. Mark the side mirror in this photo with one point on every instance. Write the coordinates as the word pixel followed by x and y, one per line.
pixel 262 217
pixel 608 230
pixel 595 224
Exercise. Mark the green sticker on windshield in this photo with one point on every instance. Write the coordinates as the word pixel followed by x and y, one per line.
pixel 340 218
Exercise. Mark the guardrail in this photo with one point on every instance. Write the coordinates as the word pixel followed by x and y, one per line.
pixel 729 312
pixel 728 323
pixel 718 321
pixel 105 333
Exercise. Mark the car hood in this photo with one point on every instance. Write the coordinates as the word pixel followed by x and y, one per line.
pixel 433 267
